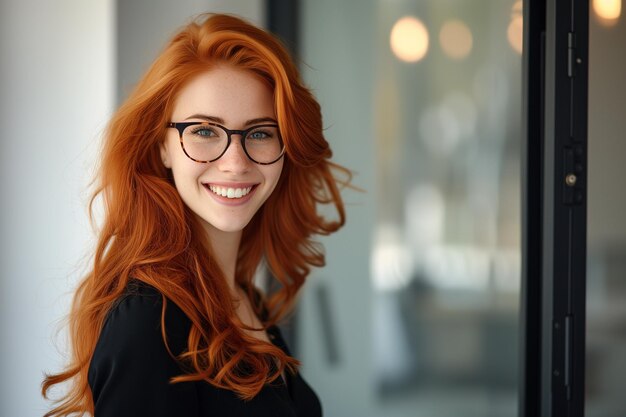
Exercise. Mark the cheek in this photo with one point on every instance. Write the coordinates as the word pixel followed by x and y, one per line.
pixel 274 173
pixel 185 171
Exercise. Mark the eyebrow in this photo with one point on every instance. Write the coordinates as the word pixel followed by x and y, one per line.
pixel 219 120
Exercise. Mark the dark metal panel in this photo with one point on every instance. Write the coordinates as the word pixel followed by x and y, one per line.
pixel 564 209
pixel 532 172
pixel 283 20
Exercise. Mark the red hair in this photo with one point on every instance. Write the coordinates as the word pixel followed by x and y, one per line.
pixel 150 235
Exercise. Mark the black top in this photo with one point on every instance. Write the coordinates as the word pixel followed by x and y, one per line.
pixel 130 369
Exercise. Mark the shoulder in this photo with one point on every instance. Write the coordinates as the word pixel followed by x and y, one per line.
pixel 134 323
pixel 131 362
pixel 137 316
pixel 141 304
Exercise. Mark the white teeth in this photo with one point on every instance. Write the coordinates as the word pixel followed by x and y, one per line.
pixel 230 192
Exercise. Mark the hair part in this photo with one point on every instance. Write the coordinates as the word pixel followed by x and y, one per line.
pixel 150 235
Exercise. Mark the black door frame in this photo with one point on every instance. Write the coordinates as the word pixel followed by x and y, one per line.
pixel 554 208
pixel 532 203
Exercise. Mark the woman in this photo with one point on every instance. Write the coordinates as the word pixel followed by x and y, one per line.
pixel 215 163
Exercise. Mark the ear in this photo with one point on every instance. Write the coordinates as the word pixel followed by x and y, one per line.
pixel 164 150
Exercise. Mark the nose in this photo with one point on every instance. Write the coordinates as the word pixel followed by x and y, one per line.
pixel 234 159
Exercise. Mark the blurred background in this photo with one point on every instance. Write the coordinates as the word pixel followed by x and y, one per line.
pixel 416 312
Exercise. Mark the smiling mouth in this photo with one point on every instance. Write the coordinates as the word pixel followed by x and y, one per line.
pixel 229 192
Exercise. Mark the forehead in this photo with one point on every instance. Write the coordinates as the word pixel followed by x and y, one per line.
pixel 232 94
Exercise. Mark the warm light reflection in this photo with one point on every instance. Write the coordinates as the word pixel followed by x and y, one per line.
pixel 456 39
pixel 608 10
pixel 409 39
pixel 515 31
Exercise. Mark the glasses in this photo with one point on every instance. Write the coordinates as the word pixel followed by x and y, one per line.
pixel 207 142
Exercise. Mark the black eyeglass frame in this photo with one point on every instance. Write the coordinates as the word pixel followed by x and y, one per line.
pixel 181 126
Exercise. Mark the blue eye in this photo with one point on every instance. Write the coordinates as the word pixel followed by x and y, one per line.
pixel 259 134
pixel 203 131
pixel 263 134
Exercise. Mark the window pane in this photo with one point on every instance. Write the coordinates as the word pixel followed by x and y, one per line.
pixel 416 312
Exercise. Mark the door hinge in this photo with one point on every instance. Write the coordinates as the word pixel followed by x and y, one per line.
pixel 567 371
pixel 571 54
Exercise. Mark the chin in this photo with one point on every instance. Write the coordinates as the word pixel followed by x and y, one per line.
pixel 231 229
pixel 228 227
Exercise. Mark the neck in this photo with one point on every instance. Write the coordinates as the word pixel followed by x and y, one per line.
pixel 225 246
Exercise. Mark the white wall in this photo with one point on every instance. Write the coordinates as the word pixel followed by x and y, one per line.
pixel 56 92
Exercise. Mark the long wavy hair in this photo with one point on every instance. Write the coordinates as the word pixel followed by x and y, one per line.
pixel 148 234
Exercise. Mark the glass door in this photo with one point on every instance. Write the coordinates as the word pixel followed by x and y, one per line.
pixel 417 310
